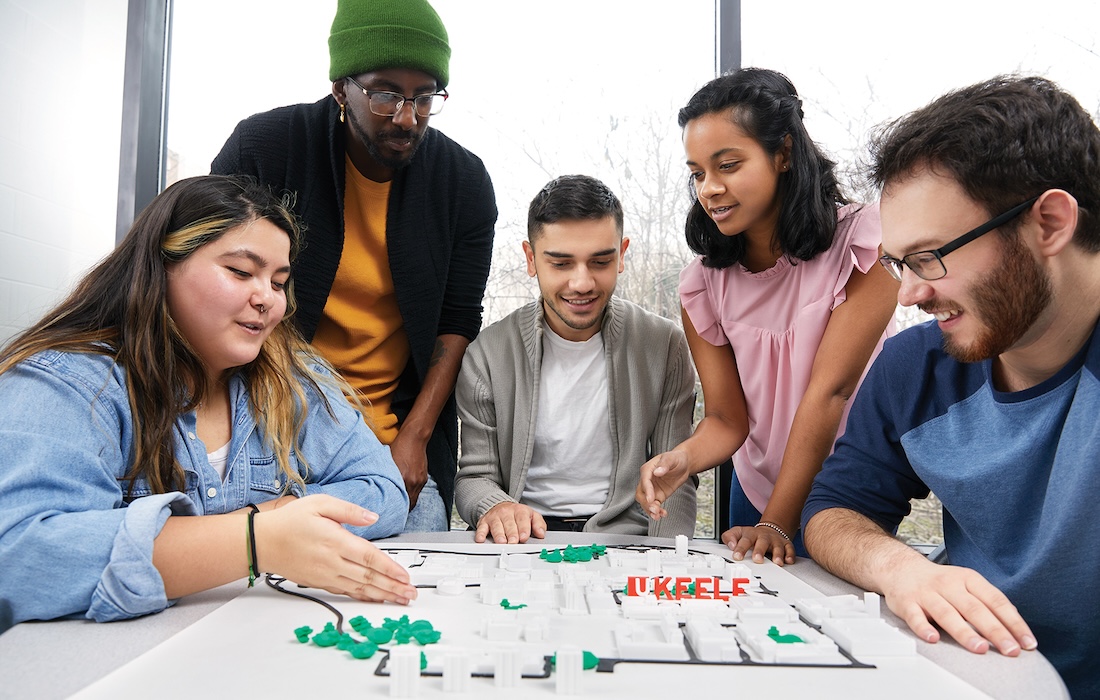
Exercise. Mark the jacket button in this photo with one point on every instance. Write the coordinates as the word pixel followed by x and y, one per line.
pixel 211 492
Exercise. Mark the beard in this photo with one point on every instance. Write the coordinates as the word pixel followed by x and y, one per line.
pixel 397 162
pixel 577 324
pixel 1007 301
pixel 372 144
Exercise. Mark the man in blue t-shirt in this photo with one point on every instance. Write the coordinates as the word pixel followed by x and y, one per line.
pixel 990 206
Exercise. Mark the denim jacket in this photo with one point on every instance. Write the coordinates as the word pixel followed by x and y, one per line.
pixel 73 542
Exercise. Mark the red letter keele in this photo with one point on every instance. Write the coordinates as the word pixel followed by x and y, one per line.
pixel 701 590
pixel 660 585
pixel 681 587
pixel 718 589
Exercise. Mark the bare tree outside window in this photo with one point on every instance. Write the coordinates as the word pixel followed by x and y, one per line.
pixel 576 86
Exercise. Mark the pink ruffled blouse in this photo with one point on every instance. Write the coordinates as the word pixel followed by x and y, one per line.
pixel 775 320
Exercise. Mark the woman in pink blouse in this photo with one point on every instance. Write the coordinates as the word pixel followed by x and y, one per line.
pixel 784 308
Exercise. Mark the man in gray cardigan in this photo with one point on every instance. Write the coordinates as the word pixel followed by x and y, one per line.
pixel 562 401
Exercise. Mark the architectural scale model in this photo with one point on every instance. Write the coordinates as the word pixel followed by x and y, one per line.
pixel 511 617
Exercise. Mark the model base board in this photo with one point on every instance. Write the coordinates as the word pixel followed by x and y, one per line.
pixel 514 619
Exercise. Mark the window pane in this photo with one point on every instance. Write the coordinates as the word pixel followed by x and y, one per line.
pixel 860 63
pixel 537 90
pixel 60 128
pixel 231 60
pixel 873 62
pixel 541 90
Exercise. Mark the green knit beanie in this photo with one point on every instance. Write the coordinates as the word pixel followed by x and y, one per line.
pixel 372 34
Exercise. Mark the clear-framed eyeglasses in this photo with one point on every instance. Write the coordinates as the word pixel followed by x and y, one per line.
pixel 386 104
pixel 928 264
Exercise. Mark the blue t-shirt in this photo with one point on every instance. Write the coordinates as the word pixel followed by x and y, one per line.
pixel 1018 475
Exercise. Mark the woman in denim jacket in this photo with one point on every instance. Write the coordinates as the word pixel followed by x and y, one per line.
pixel 166 386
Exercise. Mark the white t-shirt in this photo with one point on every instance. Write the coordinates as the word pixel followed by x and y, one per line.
pixel 218 458
pixel 570 470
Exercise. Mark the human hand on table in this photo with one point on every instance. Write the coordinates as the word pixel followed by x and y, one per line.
pixel 305 541
pixel 961 601
pixel 761 541
pixel 659 479
pixel 510 523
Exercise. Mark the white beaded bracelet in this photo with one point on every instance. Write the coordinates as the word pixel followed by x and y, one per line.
pixel 765 523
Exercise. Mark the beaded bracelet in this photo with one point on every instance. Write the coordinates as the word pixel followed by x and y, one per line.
pixel 765 523
pixel 253 564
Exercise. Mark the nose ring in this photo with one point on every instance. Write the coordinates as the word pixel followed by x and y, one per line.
pixel 262 308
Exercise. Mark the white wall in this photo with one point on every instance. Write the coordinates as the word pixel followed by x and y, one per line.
pixel 61 72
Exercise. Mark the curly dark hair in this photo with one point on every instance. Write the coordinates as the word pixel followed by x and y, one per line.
pixel 1004 141
pixel 766 106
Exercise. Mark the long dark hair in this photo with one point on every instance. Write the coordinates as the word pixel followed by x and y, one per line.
pixel 765 105
pixel 120 309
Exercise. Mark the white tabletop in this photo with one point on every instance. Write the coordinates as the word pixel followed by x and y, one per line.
pixel 57 659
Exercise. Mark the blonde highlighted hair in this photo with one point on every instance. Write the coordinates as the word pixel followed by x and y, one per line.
pixel 120 309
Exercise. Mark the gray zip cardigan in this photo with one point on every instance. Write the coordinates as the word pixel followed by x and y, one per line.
pixel 651 385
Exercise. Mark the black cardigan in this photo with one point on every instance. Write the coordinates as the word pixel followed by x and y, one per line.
pixel 439 236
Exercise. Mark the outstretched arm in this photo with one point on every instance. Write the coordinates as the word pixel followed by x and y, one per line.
pixel 969 608
pixel 303 540
pixel 671 427
pixel 459 321
pixel 409 449
pixel 723 429
pixel 854 330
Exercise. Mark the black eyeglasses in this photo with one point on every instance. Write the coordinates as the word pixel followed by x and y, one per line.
pixel 928 264
pixel 386 104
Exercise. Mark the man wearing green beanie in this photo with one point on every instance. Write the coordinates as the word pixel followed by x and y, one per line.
pixel 399 231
